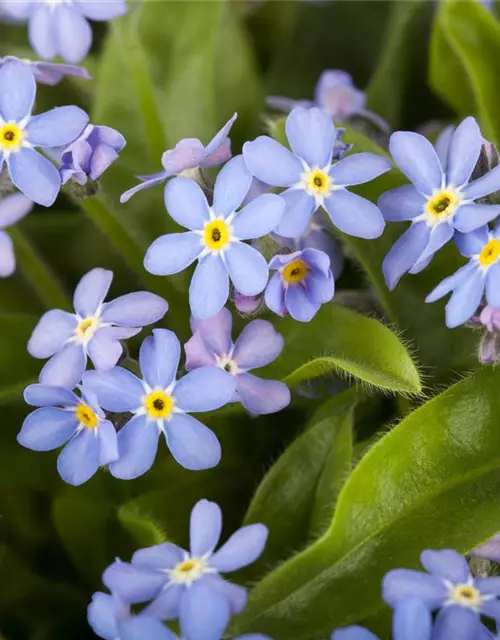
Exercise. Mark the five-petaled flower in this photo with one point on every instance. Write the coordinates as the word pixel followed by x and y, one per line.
pixel 95 330
pixel 216 238
pixel 302 283
pixel 62 418
pixel 160 404
pixel 312 181
pixel 441 199
pixel 13 208
pixel 177 579
pixel 20 132
pixel 187 158
pixel 60 27
pixel 258 345
pixel 480 276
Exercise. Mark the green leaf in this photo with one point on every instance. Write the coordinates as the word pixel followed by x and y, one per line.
pixel 338 339
pixel 432 482
pixel 297 491
pixel 142 527
pixel 472 33
pixel 17 367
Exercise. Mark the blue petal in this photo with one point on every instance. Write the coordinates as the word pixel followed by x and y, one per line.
pixel 65 368
pixel 133 584
pixel 79 460
pixel 235 595
pixel 311 135
pixel 160 556
pixel 446 564
pixel 18 91
pixel 108 443
pixel 40 395
pixel 42 32
pixel 320 289
pixel 14 208
pixel 299 306
pixel 493 285
pixel 102 614
pixel 53 330
pixel 483 186
pixel 299 207
pixel 91 291
pixel 353 633
pixel 470 244
pixel 137 447
pixel 257 345
pixel 271 162
pixel 262 397
pixel 411 621
pixel 259 217
pixel 136 309
pixel 74 35
pixel 147 183
pixel 159 358
pixel 166 605
pixel 401 203
pixel 404 253
pixel 56 128
pixel 116 389
pixel 458 623
pixel 204 614
pixel 205 527
pixel 275 295
pixel 318 260
pixel 191 443
pixel 400 584
pixel 465 299
pixel 204 389
pixel 439 236
pixel 172 253
pixel 442 145
pixel 209 287
pixel 354 215
pixel 7 255
pixel 471 216
pixel 464 150
pixel 141 627
pixel 220 137
pixel 186 203
pixel 417 159
pixel 231 186
pixel 242 548
pixel 47 428
pixel 247 269
pixel 216 332
pixel 451 282
pixel 358 169
pixel 489 586
pixel 35 176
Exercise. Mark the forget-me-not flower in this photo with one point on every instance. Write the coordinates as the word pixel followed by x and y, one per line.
pixel 95 330
pixel 13 208
pixel 441 199
pixel 160 404
pixel 481 276
pixel 216 238
pixel 50 73
pixel 302 283
pixel 91 154
pixel 448 587
pixel 170 574
pixel 187 157
pixel 312 181
pixel 60 27
pixel 335 95
pixel 20 133
pixel 258 345
pixel 63 418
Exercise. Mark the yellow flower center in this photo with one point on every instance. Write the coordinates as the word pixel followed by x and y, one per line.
pixel 442 205
pixel 11 137
pixel 86 328
pixel 466 595
pixel 295 272
pixel 188 570
pixel 490 253
pixel 86 416
pixel 158 405
pixel 317 183
pixel 217 235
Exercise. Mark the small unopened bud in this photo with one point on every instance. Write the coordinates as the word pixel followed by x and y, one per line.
pixel 488 160
pixel 248 305
pixel 83 191
pixel 489 345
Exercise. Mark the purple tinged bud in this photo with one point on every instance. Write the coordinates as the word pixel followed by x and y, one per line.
pixel 248 305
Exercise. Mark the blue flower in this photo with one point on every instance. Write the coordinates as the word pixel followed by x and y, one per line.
pixel 111 619
pixel 50 73
pixel 449 587
pixel 188 156
pixel 258 345
pixel 62 418
pixel 312 181
pixel 95 330
pixel 336 96
pixel 61 28
pixel 13 208
pixel 91 154
pixel 411 621
pixel 20 132
pixel 302 283
pixel 216 238
pixel 481 275
pixel 441 199
pixel 160 404
pixel 179 581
